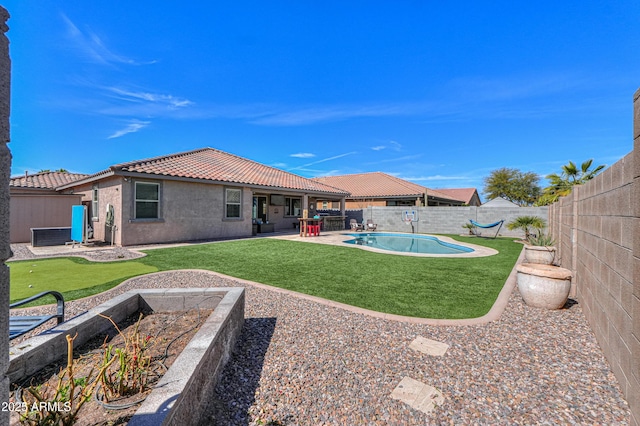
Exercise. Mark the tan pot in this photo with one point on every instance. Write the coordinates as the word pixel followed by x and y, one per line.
pixel 539 254
pixel 543 286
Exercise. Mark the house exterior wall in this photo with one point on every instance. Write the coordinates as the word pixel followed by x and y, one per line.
pixel 475 200
pixel 189 211
pixel 109 192
pixel 5 171
pixel 39 211
pixel 598 232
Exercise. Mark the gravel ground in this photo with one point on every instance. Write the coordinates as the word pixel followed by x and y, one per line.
pixel 22 252
pixel 299 362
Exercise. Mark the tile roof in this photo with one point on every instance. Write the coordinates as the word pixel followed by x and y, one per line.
pixel 462 194
pixel 379 185
pixel 44 180
pixel 219 166
pixel 376 184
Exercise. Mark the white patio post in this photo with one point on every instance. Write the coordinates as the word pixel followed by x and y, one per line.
pixel 305 206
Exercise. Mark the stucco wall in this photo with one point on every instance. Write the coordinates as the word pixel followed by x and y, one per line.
pixel 39 211
pixel 598 232
pixel 190 211
pixel 5 171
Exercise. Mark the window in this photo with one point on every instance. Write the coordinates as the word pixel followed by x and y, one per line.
pixel 292 206
pixel 233 203
pixel 147 200
pixel 94 203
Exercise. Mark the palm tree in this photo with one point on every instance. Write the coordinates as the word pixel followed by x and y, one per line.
pixel 526 223
pixel 560 185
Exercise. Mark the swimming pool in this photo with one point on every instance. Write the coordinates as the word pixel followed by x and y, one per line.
pixel 407 243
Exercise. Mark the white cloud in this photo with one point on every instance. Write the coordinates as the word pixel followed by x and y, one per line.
pixel 335 157
pixel 303 155
pixel 396 145
pixel 132 127
pixel 169 101
pixel 378 148
pixel 312 115
pixel 93 48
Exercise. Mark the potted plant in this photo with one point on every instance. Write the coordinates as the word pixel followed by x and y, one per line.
pixel 541 283
pixel 539 247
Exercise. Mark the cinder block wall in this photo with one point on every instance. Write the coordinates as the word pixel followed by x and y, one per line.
pixel 598 232
pixel 449 220
pixel 5 171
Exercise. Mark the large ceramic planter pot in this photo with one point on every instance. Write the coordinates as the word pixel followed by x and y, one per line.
pixel 544 255
pixel 543 286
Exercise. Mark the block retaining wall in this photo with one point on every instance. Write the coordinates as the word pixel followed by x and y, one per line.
pixel 597 228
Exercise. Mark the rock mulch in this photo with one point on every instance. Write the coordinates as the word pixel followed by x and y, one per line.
pixel 107 254
pixel 301 362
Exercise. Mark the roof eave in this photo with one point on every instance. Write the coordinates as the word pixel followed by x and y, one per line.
pixel 119 172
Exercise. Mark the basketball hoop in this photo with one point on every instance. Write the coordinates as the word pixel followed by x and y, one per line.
pixel 408 216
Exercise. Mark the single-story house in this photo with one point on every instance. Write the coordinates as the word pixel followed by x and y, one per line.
pixel 469 196
pixel 200 194
pixel 35 203
pixel 381 189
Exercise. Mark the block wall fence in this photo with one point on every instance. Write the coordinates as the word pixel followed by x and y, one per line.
pixel 5 172
pixel 449 220
pixel 597 229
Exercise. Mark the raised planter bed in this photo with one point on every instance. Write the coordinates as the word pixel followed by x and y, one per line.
pixel 182 394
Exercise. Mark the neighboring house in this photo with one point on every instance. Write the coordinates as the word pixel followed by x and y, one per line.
pixel 200 194
pixel 468 195
pixel 381 189
pixel 499 202
pixel 35 203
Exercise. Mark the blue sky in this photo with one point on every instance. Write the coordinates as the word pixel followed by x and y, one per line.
pixel 438 93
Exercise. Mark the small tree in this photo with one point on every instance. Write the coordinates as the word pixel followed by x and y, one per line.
pixel 526 223
pixel 514 185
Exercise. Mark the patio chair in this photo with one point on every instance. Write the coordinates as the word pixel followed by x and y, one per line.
pixel 371 226
pixel 355 226
pixel 19 325
pixel 477 225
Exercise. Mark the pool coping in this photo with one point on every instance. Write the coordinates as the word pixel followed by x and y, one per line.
pixel 337 238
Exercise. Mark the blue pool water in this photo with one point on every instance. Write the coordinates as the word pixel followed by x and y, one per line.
pixel 407 243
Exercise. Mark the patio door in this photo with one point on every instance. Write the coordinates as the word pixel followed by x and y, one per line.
pixel 260 208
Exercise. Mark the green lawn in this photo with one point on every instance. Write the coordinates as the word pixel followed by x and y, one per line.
pixel 73 277
pixel 404 285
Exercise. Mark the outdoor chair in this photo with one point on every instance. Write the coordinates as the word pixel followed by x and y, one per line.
pixel 355 226
pixel 371 226
pixel 19 325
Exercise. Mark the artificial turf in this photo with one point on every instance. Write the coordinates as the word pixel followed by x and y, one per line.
pixel 413 286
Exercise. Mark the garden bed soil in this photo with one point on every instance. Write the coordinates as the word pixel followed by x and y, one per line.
pixel 170 332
